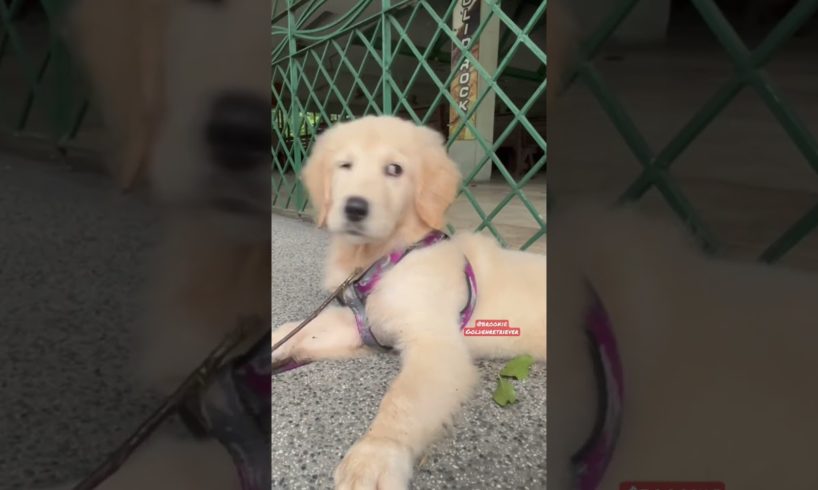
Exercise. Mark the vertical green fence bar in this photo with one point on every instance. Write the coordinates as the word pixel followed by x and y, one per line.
pixel 295 113
pixel 386 55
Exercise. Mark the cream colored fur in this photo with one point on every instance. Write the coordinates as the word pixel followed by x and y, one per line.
pixel 156 66
pixel 717 356
pixel 416 304
pixel 153 67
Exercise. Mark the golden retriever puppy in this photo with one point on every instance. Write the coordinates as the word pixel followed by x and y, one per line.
pixel 381 184
pixel 184 89
pixel 717 356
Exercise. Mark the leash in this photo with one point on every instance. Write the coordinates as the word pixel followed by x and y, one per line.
pixel 340 289
pixel 197 380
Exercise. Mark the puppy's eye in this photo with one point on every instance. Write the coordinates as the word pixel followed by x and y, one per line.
pixel 346 165
pixel 394 170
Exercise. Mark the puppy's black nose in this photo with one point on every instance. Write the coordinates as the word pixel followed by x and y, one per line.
pixel 356 209
pixel 238 131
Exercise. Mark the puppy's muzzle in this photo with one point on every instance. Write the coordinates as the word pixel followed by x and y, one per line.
pixel 356 209
pixel 238 132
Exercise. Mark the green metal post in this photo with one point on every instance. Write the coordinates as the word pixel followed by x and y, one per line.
pixel 295 110
pixel 386 54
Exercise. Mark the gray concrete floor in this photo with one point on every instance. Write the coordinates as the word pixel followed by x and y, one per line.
pixel 72 257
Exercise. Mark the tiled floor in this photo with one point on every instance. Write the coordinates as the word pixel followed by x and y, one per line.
pixel 515 222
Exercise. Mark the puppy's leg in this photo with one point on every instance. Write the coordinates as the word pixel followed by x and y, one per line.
pixel 333 334
pixel 436 378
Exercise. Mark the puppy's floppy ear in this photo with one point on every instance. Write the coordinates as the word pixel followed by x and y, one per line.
pixel 438 181
pixel 316 178
pixel 121 43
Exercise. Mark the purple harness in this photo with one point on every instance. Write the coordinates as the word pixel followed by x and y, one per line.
pixel 355 296
pixel 591 461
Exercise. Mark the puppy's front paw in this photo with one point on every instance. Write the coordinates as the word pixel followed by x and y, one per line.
pixel 375 464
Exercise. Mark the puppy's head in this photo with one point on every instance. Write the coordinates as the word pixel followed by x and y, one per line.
pixel 368 177
pixel 184 86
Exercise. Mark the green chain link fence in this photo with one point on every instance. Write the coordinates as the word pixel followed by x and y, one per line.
pixel 333 60
pixel 323 73
pixel 402 58
pixel 748 73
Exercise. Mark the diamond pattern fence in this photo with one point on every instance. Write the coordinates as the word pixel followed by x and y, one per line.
pixel 749 73
pixel 333 60
pixel 323 72
pixel 397 57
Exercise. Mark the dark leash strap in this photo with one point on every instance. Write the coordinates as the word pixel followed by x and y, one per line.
pixel 340 289
pixel 289 364
pixel 195 381
pixel 245 370
pixel 235 409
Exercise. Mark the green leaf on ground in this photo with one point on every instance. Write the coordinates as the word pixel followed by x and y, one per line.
pixel 518 367
pixel 504 394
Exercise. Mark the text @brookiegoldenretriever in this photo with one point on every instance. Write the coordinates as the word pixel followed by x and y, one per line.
pixel 491 328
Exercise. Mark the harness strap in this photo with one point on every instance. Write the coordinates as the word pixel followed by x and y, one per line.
pixel 591 461
pixel 355 296
pixel 471 303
